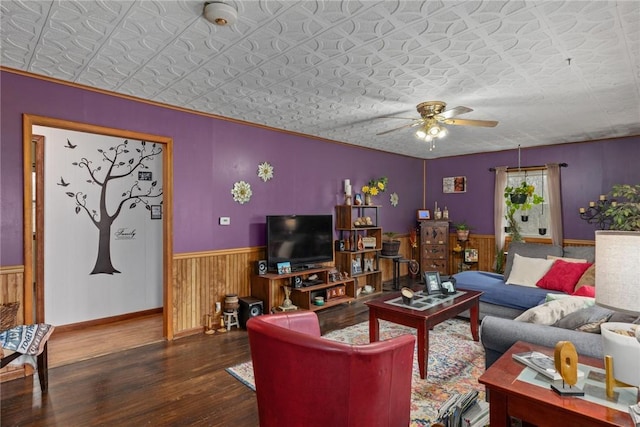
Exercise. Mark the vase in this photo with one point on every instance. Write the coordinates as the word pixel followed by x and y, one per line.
pixel 463 235
pixel 367 199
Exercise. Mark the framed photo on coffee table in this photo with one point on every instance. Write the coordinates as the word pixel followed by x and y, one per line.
pixel 432 283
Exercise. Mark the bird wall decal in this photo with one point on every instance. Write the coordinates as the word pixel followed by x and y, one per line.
pixel 70 145
pixel 62 182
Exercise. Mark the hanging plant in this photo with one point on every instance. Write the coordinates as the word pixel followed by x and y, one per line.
pixel 519 198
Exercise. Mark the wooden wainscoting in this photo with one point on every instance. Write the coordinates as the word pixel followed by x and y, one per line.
pixel 12 288
pixel 201 279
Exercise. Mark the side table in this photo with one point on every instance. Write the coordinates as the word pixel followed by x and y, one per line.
pixel 397 260
pixel 510 397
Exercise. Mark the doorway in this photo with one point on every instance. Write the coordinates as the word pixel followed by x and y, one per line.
pixel 34 212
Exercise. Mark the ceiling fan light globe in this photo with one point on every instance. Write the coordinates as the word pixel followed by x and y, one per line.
pixel 434 130
pixel 428 138
pixel 443 133
pixel 421 134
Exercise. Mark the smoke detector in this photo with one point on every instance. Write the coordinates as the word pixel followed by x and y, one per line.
pixel 220 13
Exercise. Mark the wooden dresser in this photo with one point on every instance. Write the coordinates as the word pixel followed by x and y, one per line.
pixel 434 246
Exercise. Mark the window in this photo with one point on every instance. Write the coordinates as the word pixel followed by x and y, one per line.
pixel 537 223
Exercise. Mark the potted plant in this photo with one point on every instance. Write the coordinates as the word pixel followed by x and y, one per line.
pixel 519 198
pixel 462 230
pixel 624 214
pixel 390 245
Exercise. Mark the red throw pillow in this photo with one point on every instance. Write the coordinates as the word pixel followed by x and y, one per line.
pixel 563 276
pixel 585 291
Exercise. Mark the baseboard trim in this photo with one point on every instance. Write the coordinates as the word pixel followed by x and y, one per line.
pixel 107 320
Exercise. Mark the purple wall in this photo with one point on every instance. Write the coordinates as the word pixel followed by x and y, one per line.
pixel 209 156
pixel 593 167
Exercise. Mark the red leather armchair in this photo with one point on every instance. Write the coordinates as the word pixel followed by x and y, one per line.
pixel 305 380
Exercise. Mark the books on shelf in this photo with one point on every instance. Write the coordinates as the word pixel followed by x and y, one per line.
pixel 541 363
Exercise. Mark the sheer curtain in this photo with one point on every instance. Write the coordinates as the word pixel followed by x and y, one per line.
pixel 499 205
pixel 555 203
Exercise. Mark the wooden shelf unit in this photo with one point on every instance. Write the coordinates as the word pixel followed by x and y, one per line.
pixel 268 288
pixel 352 259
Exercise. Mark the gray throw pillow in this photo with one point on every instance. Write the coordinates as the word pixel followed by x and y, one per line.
pixel 586 319
pixel 529 250
pixel 582 252
pixel 624 318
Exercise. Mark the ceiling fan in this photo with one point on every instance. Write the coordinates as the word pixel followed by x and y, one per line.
pixel 433 116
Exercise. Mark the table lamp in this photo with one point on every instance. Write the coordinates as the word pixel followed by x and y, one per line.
pixel 618 288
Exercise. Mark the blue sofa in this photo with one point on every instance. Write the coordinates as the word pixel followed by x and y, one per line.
pixel 509 301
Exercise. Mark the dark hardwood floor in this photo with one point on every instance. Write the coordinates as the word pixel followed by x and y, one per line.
pixel 177 383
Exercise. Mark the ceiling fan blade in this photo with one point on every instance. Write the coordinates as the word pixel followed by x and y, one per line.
pixel 417 123
pixel 454 112
pixel 467 122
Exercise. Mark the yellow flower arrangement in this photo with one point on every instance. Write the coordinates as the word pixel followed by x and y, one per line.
pixel 375 186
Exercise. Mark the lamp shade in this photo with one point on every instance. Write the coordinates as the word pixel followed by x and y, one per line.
pixel 618 270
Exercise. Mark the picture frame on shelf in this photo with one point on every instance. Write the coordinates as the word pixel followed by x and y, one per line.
pixel 423 214
pixel 284 267
pixel 356 266
pixel 470 255
pixel 432 282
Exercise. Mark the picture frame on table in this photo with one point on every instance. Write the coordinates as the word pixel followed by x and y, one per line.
pixel 432 282
pixel 423 214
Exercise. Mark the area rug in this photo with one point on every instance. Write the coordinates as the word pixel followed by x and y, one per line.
pixel 455 363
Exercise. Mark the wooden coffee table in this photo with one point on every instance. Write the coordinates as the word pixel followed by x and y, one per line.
pixel 509 397
pixel 422 320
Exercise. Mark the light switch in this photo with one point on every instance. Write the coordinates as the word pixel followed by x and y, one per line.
pixel 225 220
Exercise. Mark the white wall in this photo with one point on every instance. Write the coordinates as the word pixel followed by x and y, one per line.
pixel 72 293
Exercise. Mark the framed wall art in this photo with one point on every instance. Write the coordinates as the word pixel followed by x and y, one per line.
pixel 454 184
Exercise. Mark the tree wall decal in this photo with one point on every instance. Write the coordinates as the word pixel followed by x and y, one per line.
pixel 121 163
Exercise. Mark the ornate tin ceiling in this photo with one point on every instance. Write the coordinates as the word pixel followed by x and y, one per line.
pixel 549 71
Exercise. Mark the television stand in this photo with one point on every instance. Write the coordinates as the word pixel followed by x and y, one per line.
pixel 269 288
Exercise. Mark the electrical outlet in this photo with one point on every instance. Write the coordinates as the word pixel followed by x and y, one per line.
pixel 225 220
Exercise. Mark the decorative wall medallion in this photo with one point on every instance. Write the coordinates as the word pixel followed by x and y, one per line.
pixel 265 171
pixel 393 198
pixel 241 192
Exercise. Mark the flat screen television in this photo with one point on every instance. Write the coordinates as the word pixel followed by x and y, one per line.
pixel 302 240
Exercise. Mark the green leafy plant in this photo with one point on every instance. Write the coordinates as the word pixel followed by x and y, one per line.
pixel 390 235
pixel 625 211
pixel 461 226
pixel 499 261
pixel 529 199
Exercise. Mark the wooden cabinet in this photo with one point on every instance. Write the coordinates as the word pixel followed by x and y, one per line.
pixel 268 288
pixel 359 244
pixel 434 246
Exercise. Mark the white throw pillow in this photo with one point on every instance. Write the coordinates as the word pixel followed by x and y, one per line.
pixel 527 271
pixel 552 311
pixel 578 260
